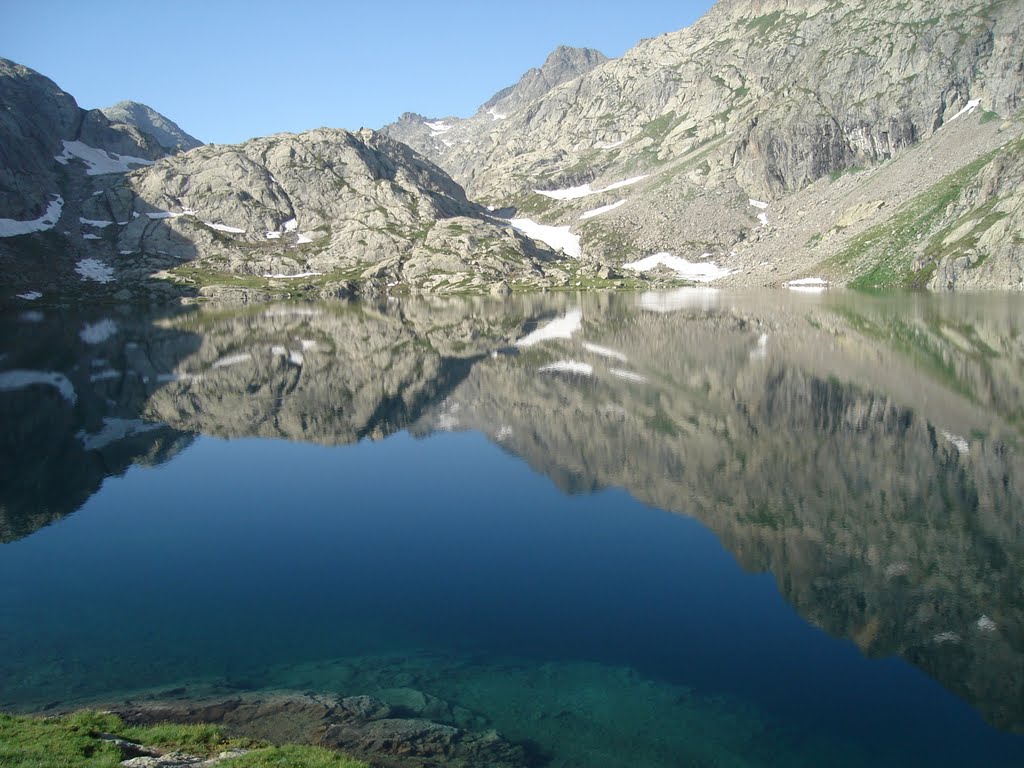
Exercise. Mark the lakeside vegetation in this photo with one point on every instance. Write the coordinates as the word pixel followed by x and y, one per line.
pixel 83 740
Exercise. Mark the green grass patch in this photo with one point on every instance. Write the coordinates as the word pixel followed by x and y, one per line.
pixel 883 255
pixel 73 741
pixel 293 756
pixel 838 174
pixel 988 117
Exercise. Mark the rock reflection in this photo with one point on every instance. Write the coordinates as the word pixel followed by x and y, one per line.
pixel 865 451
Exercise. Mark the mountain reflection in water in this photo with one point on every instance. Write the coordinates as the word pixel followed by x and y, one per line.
pixel 865 451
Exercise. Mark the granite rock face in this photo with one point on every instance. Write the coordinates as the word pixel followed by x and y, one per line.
pixel 759 99
pixel 357 206
pixel 148 121
pixel 451 141
pixel 37 118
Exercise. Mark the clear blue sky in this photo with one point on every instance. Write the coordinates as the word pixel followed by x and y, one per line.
pixel 226 71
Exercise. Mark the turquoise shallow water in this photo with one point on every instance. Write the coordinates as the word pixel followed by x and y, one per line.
pixel 761 532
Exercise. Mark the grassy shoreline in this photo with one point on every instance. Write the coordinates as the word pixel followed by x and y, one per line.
pixel 89 739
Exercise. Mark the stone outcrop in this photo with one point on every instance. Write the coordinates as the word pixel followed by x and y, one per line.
pixel 360 726
pixel 167 133
pixel 444 139
pixel 757 100
pixel 37 118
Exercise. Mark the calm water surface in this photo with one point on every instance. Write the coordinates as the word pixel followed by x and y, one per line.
pixel 688 528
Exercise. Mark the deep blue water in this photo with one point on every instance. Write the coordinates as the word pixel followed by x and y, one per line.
pixel 480 569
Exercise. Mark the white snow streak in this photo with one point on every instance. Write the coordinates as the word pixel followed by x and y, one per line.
pixel 96 270
pixel 19 379
pixel 960 443
pixel 759 204
pixel 224 362
pixel 808 285
pixel 114 430
pixel 224 228
pixel 13 227
pixel 605 352
pixel 622 373
pixel 585 190
pixel 602 209
pixel 562 328
pixel 559 238
pixel 438 127
pixel 496 114
pixel 682 298
pixel 701 272
pixel 609 144
pixel 30 296
pixel 972 106
pixel 97 160
pixel 568 366
pixel 98 223
pixel 295 276
pixel 97 333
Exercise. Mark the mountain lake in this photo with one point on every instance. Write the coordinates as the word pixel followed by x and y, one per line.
pixel 695 527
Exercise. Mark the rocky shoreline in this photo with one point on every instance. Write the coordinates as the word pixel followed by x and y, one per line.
pixel 420 731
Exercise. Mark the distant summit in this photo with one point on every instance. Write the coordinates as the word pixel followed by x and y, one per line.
pixel 562 65
pixel 147 120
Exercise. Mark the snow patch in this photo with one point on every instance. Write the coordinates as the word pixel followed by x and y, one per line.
pixel 763 218
pixel 113 431
pixel 13 227
pixel 438 127
pixel 960 443
pixel 622 373
pixel 30 296
pixel 224 228
pixel 609 144
pixel 97 333
pixel 985 624
pixel 759 204
pixel 808 285
pixel 291 225
pixel 562 328
pixel 98 160
pixel 304 237
pixel 105 375
pixel 495 114
pixel 295 276
pixel 702 298
pixel 602 209
pixel 98 223
pixel 19 379
pixel 273 235
pixel 698 271
pixel 605 352
pixel 230 360
pixel 585 190
pixel 568 366
pixel 90 236
pixel 760 352
pixel 95 270
pixel 559 238
pixel 972 106
pixel 164 215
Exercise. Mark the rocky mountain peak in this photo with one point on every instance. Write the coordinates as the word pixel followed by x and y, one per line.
pixel 165 131
pixel 562 64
